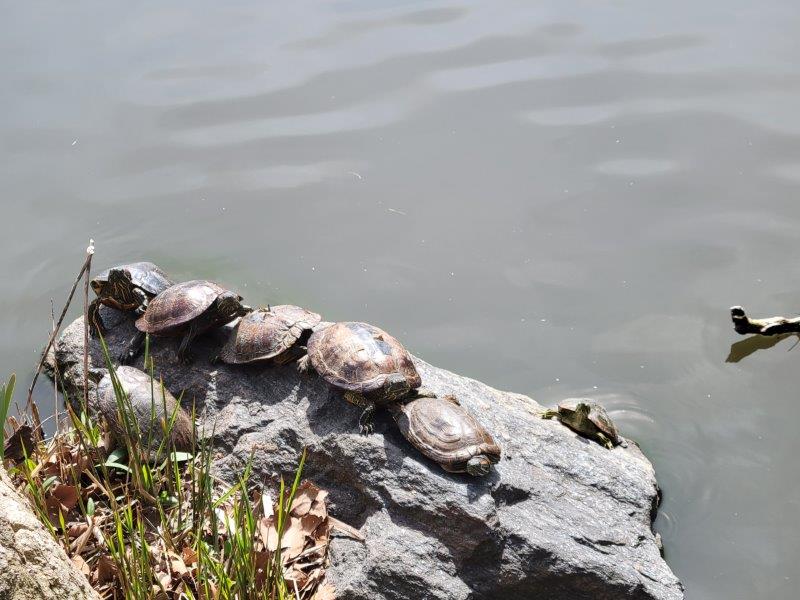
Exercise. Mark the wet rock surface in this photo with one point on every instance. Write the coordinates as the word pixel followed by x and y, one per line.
pixel 559 517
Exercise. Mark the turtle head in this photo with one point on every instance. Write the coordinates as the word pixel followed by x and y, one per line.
pixel 395 387
pixel 479 465
pixel 119 277
pixel 230 304
pixel 97 286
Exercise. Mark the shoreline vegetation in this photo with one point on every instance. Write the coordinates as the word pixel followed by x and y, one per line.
pixel 142 519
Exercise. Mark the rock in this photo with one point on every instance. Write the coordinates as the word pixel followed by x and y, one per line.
pixel 32 565
pixel 559 517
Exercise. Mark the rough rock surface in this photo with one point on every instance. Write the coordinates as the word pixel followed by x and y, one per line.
pixel 559 517
pixel 32 565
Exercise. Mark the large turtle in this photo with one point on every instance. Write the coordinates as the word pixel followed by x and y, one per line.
pixel 126 287
pixel 587 418
pixel 145 413
pixel 445 432
pixel 277 334
pixel 367 363
pixel 186 309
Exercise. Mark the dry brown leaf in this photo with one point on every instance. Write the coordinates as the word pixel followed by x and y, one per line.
pixel 81 565
pixel 269 535
pixel 77 529
pixel 189 556
pixel 177 565
pixel 309 524
pixel 20 444
pixel 67 495
pixel 325 592
pixel 346 529
pixel 293 540
pixel 105 569
pixel 53 509
pixel 262 559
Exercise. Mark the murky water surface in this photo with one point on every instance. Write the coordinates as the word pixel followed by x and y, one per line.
pixel 555 198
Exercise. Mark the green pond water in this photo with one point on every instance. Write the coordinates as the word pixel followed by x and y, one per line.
pixel 555 198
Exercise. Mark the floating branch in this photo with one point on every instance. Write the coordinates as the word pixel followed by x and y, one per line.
pixel 767 326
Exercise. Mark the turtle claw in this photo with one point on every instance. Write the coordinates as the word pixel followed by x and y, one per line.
pixel 365 423
pixel 186 359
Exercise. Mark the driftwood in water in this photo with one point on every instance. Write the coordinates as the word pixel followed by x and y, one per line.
pixel 766 326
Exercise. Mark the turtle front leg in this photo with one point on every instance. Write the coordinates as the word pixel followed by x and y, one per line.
pixel 549 414
pixel 304 364
pixel 604 440
pixel 144 300
pixel 184 356
pixel 422 392
pixel 365 421
pixel 132 350
pixel 96 325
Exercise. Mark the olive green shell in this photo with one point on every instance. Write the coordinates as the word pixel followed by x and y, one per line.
pixel 359 357
pixel 144 275
pixel 147 411
pixel 445 432
pixel 597 415
pixel 177 305
pixel 268 333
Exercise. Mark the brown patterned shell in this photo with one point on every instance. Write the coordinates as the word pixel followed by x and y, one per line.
pixel 445 432
pixel 267 333
pixel 147 407
pixel 359 357
pixel 177 305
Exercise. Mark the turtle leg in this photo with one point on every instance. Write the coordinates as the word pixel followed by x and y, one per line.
pixel 184 356
pixel 96 325
pixel 423 392
pixel 478 466
pixel 365 423
pixel 143 301
pixel 549 414
pixel 304 364
pixel 133 349
pixel 604 440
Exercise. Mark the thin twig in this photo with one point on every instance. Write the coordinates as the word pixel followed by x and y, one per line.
pixel 89 253
pixel 55 365
pixel 58 326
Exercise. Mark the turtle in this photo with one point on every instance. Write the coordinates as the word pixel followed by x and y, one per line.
pixel 185 309
pixel 126 287
pixel 445 432
pixel 276 333
pixel 371 366
pixel 145 414
pixel 587 418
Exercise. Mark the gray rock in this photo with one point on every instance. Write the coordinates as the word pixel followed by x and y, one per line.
pixel 559 517
pixel 32 565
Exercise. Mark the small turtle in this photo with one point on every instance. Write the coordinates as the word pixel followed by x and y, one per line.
pixel 588 418
pixel 445 432
pixel 185 309
pixel 126 287
pixel 277 333
pixel 146 413
pixel 367 363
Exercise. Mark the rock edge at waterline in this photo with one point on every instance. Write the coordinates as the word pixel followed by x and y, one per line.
pixel 559 517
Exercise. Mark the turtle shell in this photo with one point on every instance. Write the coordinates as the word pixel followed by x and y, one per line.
pixel 147 406
pixel 597 415
pixel 177 305
pixel 359 357
pixel 267 333
pixel 445 432
pixel 145 275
